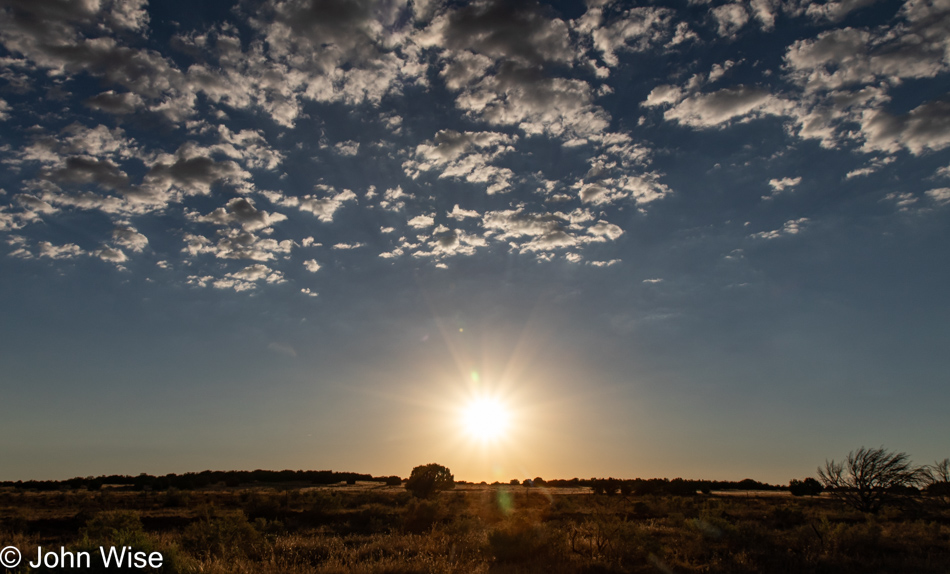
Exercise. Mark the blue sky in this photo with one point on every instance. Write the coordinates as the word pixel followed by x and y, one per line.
pixel 701 239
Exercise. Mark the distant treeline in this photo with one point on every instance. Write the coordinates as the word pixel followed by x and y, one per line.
pixel 237 478
pixel 641 486
pixel 197 480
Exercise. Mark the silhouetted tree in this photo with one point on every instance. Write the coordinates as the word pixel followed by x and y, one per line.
pixel 937 477
pixel 870 478
pixel 429 479
pixel 807 487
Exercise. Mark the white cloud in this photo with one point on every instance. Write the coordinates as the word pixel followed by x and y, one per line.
pixel 67 251
pixel 111 254
pixel 347 148
pixel 421 221
pixel 717 108
pixel 784 183
pixel 730 18
pixel 940 195
pixel 460 214
pixel 464 155
pixel 780 185
pixel 241 211
pixel 322 207
pixel 790 227
pixel 311 265
pixel 129 237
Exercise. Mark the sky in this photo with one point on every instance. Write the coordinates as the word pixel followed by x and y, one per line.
pixel 695 239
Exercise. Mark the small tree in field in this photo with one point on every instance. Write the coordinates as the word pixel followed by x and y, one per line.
pixel 429 479
pixel 870 478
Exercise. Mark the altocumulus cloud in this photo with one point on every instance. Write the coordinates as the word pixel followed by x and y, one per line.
pixel 226 151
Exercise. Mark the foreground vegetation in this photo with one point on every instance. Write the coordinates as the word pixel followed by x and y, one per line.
pixel 369 527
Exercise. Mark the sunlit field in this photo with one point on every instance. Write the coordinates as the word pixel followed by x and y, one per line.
pixel 369 527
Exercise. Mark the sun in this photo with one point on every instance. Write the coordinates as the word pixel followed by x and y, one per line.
pixel 486 419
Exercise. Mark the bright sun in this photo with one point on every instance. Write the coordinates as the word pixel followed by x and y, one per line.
pixel 486 419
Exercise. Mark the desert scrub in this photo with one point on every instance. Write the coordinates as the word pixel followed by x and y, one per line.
pixel 123 528
pixel 226 536
pixel 518 540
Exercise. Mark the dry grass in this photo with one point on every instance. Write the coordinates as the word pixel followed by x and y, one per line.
pixel 479 529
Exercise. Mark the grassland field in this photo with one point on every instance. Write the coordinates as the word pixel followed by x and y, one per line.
pixel 371 528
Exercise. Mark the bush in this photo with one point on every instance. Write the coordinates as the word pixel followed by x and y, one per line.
pixel 429 479
pixel 807 487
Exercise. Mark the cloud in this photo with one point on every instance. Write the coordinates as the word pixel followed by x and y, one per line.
pixel 461 214
pixel 237 244
pixel 637 29
pixel 730 18
pixel 784 183
pixel 780 185
pixel 643 188
pixel 323 208
pixel 464 155
pixel 604 231
pixel 520 32
pixel 245 279
pixel 241 211
pixel 311 265
pixel 925 128
pixel 903 200
pixel 835 11
pixel 116 103
pixel 790 227
pixel 347 148
pixel 447 243
pixel 67 251
pixel 111 254
pixel 940 195
pixel 193 172
pixel 421 221
pixel 129 237
pixel 720 107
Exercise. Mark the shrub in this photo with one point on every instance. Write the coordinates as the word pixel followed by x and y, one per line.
pixel 807 487
pixel 429 479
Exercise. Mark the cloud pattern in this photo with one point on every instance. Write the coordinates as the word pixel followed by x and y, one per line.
pixel 236 150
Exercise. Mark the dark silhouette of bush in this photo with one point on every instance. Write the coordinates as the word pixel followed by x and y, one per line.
pixel 870 478
pixel 807 487
pixel 393 481
pixel 429 479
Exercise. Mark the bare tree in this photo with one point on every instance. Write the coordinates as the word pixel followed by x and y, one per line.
pixel 938 471
pixel 870 478
pixel 937 477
